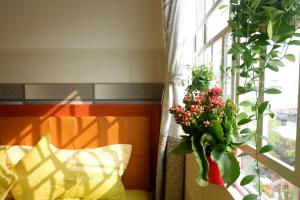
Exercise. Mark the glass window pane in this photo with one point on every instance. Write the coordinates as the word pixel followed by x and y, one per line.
pixel 217 60
pixel 281 130
pixel 250 96
pixel 200 12
pixel 199 39
pixel 200 59
pixel 208 5
pixel 227 87
pixel 217 22
pixel 208 56
pixel 274 187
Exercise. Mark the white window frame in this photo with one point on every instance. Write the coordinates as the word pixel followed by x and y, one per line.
pixel 284 170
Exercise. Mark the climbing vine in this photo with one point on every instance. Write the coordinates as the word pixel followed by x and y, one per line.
pixel 262 31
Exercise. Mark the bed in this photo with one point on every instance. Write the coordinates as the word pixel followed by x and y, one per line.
pixel 91 126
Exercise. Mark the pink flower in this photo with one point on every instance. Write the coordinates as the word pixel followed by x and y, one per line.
pixel 215 91
pixel 185 118
pixel 198 99
pixel 193 108
pixel 187 98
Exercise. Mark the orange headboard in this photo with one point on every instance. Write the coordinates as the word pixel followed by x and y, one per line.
pixel 81 126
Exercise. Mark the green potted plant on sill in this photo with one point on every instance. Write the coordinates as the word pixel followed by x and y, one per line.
pixel 211 130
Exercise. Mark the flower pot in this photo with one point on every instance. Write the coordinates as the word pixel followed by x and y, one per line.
pixel 214 176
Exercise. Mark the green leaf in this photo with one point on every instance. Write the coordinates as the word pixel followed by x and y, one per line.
pixel 244 121
pixel 270 29
pixel 255 4
pixel 242 115
pixel 246 130
pixel 297 34
pixel 207 140
pixel 271 114
pixel 272 91
pixel 217 131
pixel 247 58
pixel 183 148
pixel 266 149
pixel 294 42
pixel 245 154
pixel 200 154
pixel 228 166
pixel 247 179
pixel 250 197
pixel 223 6
pixel 241 90
pixel 240 140
pixel 287 3
pixel 275 63
pixel 244 74
pixel 290 57
pixel 273 68
pixel 262 107
pixel 246 103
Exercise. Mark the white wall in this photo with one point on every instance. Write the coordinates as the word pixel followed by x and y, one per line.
pixel 81 41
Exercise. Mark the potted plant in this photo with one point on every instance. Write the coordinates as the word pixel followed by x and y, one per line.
pixel 211 130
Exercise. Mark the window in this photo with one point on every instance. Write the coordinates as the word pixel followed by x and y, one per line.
pixel 281 166
pixel 273 185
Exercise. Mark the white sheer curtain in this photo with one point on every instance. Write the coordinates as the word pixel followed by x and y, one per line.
pixel 178 24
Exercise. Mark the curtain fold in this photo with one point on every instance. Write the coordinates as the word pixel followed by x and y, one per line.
pixel 177 24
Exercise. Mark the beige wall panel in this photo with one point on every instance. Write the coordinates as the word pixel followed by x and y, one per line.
pixel 83 66
pixel 80 23
pixel 88 41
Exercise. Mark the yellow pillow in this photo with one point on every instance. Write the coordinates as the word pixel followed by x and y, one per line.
pixel 15 153
pixel 41 176
pixel 97 186
pixel 7 179
pixel 138 195
pixel 99 172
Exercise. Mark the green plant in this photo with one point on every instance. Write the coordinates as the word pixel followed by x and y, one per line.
pixel 262 31
pixel 201 78
pixel 210 126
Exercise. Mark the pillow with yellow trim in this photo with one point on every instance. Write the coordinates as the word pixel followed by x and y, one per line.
pixel 41 176
pixel 7 178
pixel 99 172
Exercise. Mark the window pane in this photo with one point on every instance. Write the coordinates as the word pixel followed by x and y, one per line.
pixel 199 39
pixel 217 22
pixel 227 75
pixel 273 186
pixel 250 96
pixel 200 12
pixel 281 130
pixel 208 5
pixel 217 60
pixel 200 59
pixel 208 56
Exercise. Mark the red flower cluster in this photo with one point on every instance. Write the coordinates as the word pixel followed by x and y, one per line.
pixel 199 109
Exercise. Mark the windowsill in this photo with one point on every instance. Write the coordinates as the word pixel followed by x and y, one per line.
pixel 234 192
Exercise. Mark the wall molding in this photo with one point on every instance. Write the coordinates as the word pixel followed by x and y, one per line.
pixel 80 93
